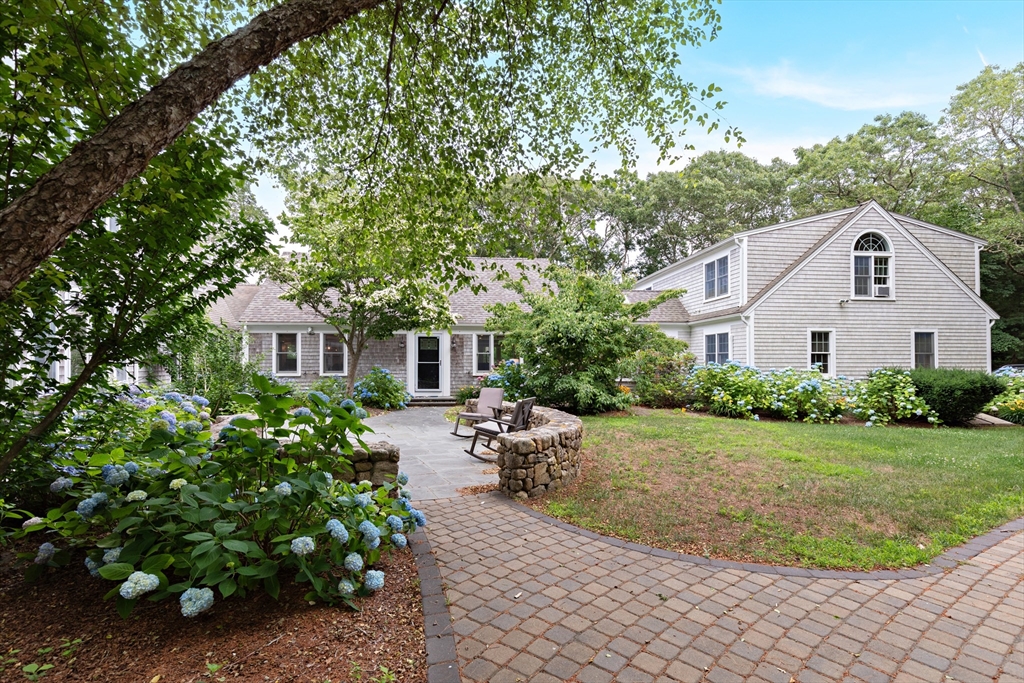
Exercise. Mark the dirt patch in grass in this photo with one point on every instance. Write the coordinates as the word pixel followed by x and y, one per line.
pixel 63 620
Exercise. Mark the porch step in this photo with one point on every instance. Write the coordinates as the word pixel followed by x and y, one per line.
pixel 432 401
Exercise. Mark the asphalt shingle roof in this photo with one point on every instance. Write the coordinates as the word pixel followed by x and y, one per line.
pixel 671 311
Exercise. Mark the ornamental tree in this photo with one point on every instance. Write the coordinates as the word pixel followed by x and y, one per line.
pixel 574 337
pixel 367 276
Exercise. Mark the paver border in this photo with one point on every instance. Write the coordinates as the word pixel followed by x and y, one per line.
pixel 949 559
pixel 442 661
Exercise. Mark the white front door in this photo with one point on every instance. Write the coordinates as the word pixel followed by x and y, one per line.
pixel 428 364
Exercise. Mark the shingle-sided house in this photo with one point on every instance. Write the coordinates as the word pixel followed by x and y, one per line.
pixel 851 290
pixel 297 344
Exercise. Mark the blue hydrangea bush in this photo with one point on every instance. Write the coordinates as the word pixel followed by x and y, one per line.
pixel 1009 405
pixel 189 518
pixel 510 376
pixel 888 395
pixel 381 389
pixel 805 395
pixel 728 389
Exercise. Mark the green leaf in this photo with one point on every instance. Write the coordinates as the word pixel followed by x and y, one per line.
pixel 272 586
pixel 126 523
pixel 227 587
pixel 118 571
pixel 237 546
pixel 125 606
pixel 267 569
pixel 243 400
pixel 156 563
pixel 111 541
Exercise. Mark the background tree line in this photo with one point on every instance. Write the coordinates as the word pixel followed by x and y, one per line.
pixel 964 171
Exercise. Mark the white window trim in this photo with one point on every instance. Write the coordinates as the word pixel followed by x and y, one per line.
pixel 715 332
pixel 891 255
pixel 913 348
pixel 344 348
pixel 476 335
pixel 298 355
pixel 832 356
pixel 728 275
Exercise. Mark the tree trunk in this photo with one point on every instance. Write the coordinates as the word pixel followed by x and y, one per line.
pixel 55 412
pixel 35 224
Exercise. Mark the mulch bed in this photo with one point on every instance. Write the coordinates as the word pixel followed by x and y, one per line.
pixel 253 638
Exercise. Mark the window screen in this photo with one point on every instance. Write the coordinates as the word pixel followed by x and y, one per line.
pixel 334 355
pixel 287 353
pixel 924 349
pixel 821 351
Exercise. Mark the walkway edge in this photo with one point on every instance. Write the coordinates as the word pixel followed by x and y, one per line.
pixel 442 661
pixel 942 563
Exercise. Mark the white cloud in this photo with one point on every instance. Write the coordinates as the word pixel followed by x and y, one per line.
pixel 785 81
pixel 983 60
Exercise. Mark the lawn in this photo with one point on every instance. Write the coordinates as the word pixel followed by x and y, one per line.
pixel 831 496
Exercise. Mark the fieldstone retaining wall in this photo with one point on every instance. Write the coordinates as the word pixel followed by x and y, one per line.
pixel 378 464
pixel 543 458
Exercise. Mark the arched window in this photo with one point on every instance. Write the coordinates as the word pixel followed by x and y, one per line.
pixel 872 266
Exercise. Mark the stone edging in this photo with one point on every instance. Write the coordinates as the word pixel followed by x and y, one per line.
pixel 442 662
pixel 947 560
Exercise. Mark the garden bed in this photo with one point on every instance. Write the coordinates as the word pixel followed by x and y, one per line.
pixel 63 620
pixel 829 496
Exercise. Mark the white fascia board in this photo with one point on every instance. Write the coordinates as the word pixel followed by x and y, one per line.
pixel 799 221
pixel 940 229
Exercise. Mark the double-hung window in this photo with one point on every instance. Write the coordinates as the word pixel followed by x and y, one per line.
pixel 716 348
pixel 924 349
pixel 332 360
pixel 486 353
pixel 821 351
pixel 872 267
pixel 124 374
pixel 286 353
pixel 716 278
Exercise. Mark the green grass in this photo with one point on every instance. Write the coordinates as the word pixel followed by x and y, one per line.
pixel 830 496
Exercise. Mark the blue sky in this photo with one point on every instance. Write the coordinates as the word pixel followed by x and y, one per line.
pixel 801 72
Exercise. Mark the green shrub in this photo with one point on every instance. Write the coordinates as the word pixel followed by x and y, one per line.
pixel 465 393
pixel 381 389
pixel 211 362
pixel 956 395
pixel 334 387
pixel 729 389
pixel 659 378
pixel 1009 405
pixel 508 375
pixel 180 516
pixel 887 395
pixel 805 395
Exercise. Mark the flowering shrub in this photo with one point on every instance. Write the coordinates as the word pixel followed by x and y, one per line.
pixel 805 395
pixel 887 395
pixel 508 375
pixel 181 515
pixel 334 387
pixel 729 389
pixel 382 389
pixel 1009 405
pixel 659 378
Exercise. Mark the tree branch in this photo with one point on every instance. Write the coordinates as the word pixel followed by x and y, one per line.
pixel 34 225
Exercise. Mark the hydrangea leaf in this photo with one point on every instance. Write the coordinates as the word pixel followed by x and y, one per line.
pixel 117 571
pixel 198 536
pixel 272 586
pixel 237 546
pixel 156 563
pixel 125 607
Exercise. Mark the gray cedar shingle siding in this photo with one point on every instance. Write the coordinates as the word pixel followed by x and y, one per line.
pixel 691 278
pixel 957 253
pixel 769 253
pixel 873 333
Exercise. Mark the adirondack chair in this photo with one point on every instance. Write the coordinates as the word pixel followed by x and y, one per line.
pixel 488 407
pixel 518 421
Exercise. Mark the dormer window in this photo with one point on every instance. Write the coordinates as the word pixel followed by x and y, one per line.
pixel 872 267
pixel 716 278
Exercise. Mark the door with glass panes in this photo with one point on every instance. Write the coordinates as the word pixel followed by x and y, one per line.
pixel 428 363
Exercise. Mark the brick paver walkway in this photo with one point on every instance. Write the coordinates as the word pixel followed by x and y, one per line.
pixel 532 600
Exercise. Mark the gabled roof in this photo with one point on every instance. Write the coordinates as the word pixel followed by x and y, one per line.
pixel 230 309
pixel 671 311
pixel 266 307
pixel 469 307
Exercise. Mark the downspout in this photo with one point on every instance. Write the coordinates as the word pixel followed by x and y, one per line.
pixel 988 345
